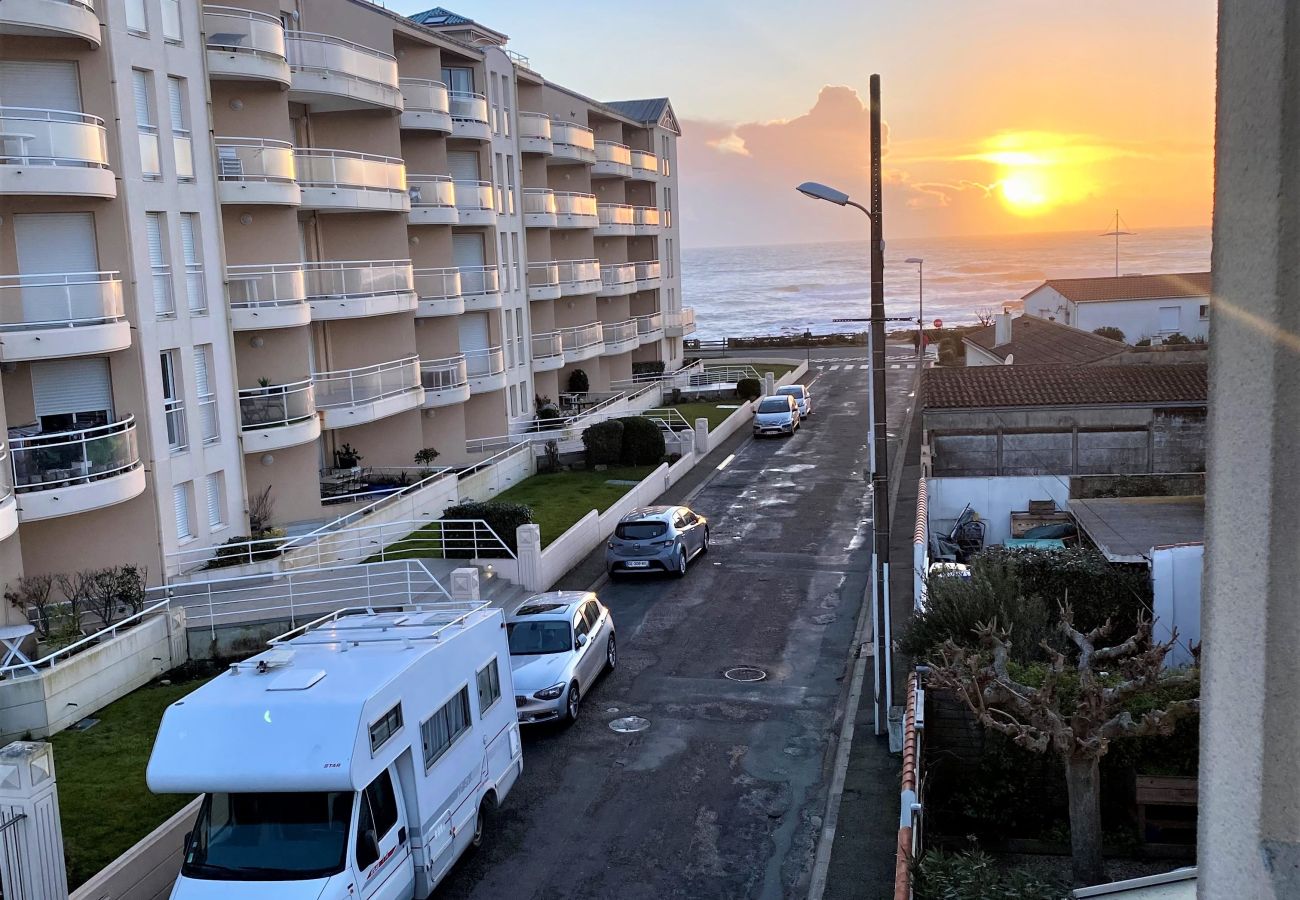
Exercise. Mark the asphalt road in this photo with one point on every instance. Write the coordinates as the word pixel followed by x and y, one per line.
pixel 724 794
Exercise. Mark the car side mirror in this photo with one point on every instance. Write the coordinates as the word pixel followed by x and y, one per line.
pixel 582 640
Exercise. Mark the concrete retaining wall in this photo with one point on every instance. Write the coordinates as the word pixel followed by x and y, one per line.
pixel 148 870
pixel 993 498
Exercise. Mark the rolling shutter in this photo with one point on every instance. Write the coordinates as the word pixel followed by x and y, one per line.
pixel 214 500
pixel 55 242
pixel 473 331
pixel 66 386
pixel 201 384
pixel 463 165
pixel 188 246
pixel 467 250
pixel 181 506
pixel 175 103
pixel 40 85
pixel 153 231
pixel 143 107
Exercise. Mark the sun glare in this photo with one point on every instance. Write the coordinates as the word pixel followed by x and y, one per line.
pixel 1038 171
pixel 1025 193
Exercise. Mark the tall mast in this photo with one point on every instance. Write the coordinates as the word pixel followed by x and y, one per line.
pixel 1116 233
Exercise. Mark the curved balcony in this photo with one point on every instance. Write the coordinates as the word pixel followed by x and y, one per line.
pixel 486 369
pixel 582 342
pixel 476 203
pixel 276 416
pixel 575 210
pixel 446 381
pixel 480 286
pixel 544 281
pixel 535 133
pixel 617 280
pixel 647 275
pixel 358 288
pixel 439 292
pixel 350 397
pixel 679 323
pixel 615 220
pixel 645 166
pixel 572 143
pixel 332 74
pixel 433 200
pixel 469 116
pixel 649 328
pixel 8 503
pixel 53 153
pixel 548 351
pixel 245 45
pixel 344 181
pixel 579 276
pixel 645 221
pixel 57 315
pixel 50 18
pixel 620 337
pixel 425 105
pixel 539 208
pixel 256 170
pixel 63 473
pixel 612 159
pixel 267 296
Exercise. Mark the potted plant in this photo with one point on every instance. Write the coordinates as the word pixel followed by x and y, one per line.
pixel 425 457
pixel 347 457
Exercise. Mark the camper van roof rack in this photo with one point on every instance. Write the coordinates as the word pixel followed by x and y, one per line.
pixel 357 625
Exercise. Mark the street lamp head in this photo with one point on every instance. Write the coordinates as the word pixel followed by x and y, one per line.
pixel 914 259
pixel 822 192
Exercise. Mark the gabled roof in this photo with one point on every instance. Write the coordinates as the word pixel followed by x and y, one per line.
pixel 990 387
pixel 440 16
pixel 1040 342
pixel 656 111
pixel 1130 287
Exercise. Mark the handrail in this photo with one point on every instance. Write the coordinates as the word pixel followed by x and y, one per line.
pixel 647 324
pixel 617 274
pixel 481 361
pixel 432 92
pixel 286 282
pixel 578 271
pixel 535 125
pixel 539 201
pixel 407 369
pixel 276 405
pixel 348 168
pixel 615 213
pixel 431 191
pixel 647 270
pixel 645 215
pixel 619 332
pixel 84 454
pixel 52 137
pixel 480 280
pixel 28 114
pixel 89 298
pixel 433 373
pixel 449 278
pixel 547 344
pixel 263 150
pixel 574 203
pixel 580 337
pixel 76 647
pixel 644 159
pixel 613 152
pixel 343 279
pixel 468 106
pixel 237 12
pixel 316 37
pixel 548 272
pixel 265 32
pixel 475 195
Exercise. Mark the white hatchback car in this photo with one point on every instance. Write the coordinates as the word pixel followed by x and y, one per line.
pixel 560 643
pixel 802 398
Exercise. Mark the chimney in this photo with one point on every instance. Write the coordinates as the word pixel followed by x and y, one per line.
pixel 1002 329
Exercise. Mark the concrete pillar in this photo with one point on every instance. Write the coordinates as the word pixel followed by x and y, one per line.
pixel 529 541
pixel 1249 817
pixel 31 848
pixel 701 436
pixel 687 443
pixel 464 584
pixel 769 384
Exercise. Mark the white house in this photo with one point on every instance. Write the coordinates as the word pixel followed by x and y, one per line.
pixel 1141 306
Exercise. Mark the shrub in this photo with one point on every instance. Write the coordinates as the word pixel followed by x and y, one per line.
pixel 1176 339
pixel 549 464
pixel 604 443
pixel 1109 331
pixel 503 518
pixel 1144 342
pixel 643 442
pixel 749 389
pixel 426 456
pixel 971 875
pixel 578 382
pixel 648 367
pixel 232 553
pixel 347 457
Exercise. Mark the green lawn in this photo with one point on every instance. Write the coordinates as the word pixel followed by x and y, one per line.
pixel 104 804
pixel 777 369
pixel 714 412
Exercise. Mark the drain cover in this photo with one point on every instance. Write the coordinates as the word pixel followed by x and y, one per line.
pixel 745 673
pixel 629 724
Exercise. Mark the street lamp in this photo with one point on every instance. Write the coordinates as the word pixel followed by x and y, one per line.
pixel 920 303
pixel 821 192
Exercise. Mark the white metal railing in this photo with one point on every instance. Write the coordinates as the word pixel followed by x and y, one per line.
pixel 535 125
pixel 57 459
pixel 52 137
pixel 618 275
pixel 683 318
pixel 649 324
pixel 539 201
pixel 424 95
pixel 620 332
pixel 150 156
pixel 343 388
pixel 613 152
pixel 645 215
pixel 178 433
pixel 544 274
pixel 209 421
pixel 258 286
pixel 484 361
pixel 644 161
pixel 254 159
pixel 519 59
pixel 335 280
pixel 647 271
pixel 346 168
pixel 164 298
pixel 49 660
pixel 479 280
pixel 475 195
pixel 615 214
pixel 276 405
pixel 574 135
pixel 579 273
pixel 669 418
pixel 547 344
pixel 681 377
pixel 6 489
pixel 443 374
pixel 568 203
pixel 431 190
pixel 232 30
pixel 437 284
pixel 60 300
pixel 311 52
pixel 580 337
pixel 467 106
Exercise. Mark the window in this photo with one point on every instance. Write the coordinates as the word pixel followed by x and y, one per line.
pixel 498 175
pixel 510 187
pixel 229 835
pixel 519 339
pixel 173 405
pixel 216 501
pixel 164 303
pixel 136 20
pixel 388 725
pixel 489 686
pixel 514 401
pixel 505 105
pixel 377 815
pixel 510 338
pixel 72 393
pixel 442 728
pixel 668 208
pixel 665 166
pixel 145 124
pixel 182 149
pixel 668 244
pixel 503 261
pixel 458 79
pixel 494 91
pixel 171 20
pixel 207 399
pixel 580 625
pixel 591 614
pixel 1205 311
pixel 195 292
pixel 516 274
pixel 181 503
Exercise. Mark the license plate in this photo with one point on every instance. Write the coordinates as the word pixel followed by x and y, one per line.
pixel 639 564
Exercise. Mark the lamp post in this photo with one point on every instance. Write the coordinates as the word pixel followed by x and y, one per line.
pixel 920 304
pixel 876 412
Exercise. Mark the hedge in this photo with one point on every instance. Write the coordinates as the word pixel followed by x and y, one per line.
pixel 648 367
pixel 603 443
pixel 503 518
pixel 749 389
pixel 643 442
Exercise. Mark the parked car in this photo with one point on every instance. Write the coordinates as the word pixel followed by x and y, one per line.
pixel 802 398
pixel 657 539
pixel 560 643
pixel 777 414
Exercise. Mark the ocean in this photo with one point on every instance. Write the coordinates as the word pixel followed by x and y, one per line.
pixel 792 288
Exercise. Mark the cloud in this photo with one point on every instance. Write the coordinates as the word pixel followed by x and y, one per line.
pixel 937 194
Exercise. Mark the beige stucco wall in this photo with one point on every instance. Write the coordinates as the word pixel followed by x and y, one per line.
pixel 293 476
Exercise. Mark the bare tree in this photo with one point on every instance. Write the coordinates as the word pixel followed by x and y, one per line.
pixel 984 315
pixel 1076 724
pixel 76 589
pixel 30 595
pixel 261 507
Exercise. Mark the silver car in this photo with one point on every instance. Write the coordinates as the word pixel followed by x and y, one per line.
pixel 802 398
pixel 560 643
pixel 777 414
pixel 657 539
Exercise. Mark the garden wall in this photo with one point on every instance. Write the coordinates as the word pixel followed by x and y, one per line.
pixel 148 870
pixel 994 498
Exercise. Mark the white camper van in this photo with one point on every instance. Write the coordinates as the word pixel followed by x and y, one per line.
pixel 355 760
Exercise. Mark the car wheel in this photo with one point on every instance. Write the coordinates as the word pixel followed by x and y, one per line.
pixel 611 654
pixel 704 547
pixel 614 574
pixel 680 571
pixel 480 822
pixel 573 705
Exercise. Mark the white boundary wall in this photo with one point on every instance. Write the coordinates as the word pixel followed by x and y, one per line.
pixel 1176 584
pixel 994 498
pixel 148 870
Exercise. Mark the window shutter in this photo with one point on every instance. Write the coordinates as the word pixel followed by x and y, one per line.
pixel 55 242
pixel 65 386
pixel 181 506
pixel 473 329
pixel 463 165
pixel 143 108
pixel 467 250
pixel 153 230
pixel 174 99
pixel 202 352
pixel 214 500
pixel 188 245
pixel 40 84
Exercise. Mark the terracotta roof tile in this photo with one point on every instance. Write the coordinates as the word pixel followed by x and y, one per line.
pixel 1131 287
pixel 982 387
pixel 1036 342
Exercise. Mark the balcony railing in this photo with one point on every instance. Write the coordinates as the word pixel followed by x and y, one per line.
pixel 479 280
pixel 620 332
pixel 535 126
pixel 329 55
pixel 60 300
pixel 33 137
pixel 645 216
pixel 543 274
pixel 6 489
pixel 613 152
pixel 438 284
pixel 644 163
pixel 680 322
pixel 244 32
pixel 547 344
pixel 443 374
pixel 58 459
pixel 55 18
pixel 178 433
pixel 255 159
pixel 574 141
pixel 431 191
pixel 351 387
pixel 647 272
pixel 582 337
pixel 614 277
pixel 346 169
pixel 539 202
pixel 574 204
pixel 335 280
pixel 579 275
pixel 646 325
pixel 258 286
pixel 472 196
pixel 616 214
pixel 277 405
pixel 424 95
pixel 485 361
pixel 467 106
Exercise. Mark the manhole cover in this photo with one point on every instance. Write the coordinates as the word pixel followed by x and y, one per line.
pixel 745 673
pixel 628 724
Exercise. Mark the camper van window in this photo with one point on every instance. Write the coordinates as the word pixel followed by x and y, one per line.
pixel 367 851
pixel 489 686
pixel 383 804
pixel 442 728
pixel 387 726
pixel 229 837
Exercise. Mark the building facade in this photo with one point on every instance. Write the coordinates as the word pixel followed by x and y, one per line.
pixel 247 250
pixel 1143 307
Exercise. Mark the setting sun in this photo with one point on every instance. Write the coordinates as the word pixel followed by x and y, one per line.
pixel 1025 193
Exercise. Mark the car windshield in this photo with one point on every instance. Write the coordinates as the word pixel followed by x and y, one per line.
pixel 539 637
pixel 795 391
pixel 269 837
pixel 640 531
pixel 774 405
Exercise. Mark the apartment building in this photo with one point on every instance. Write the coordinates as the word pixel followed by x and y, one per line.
pixel 249 247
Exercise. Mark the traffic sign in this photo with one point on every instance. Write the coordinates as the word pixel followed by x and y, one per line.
pixel 938 323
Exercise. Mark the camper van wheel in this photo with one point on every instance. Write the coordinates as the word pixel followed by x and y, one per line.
pixel 484 811
pixel 571 710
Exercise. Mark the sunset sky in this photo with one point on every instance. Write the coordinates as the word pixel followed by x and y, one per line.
pixel 1006 116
